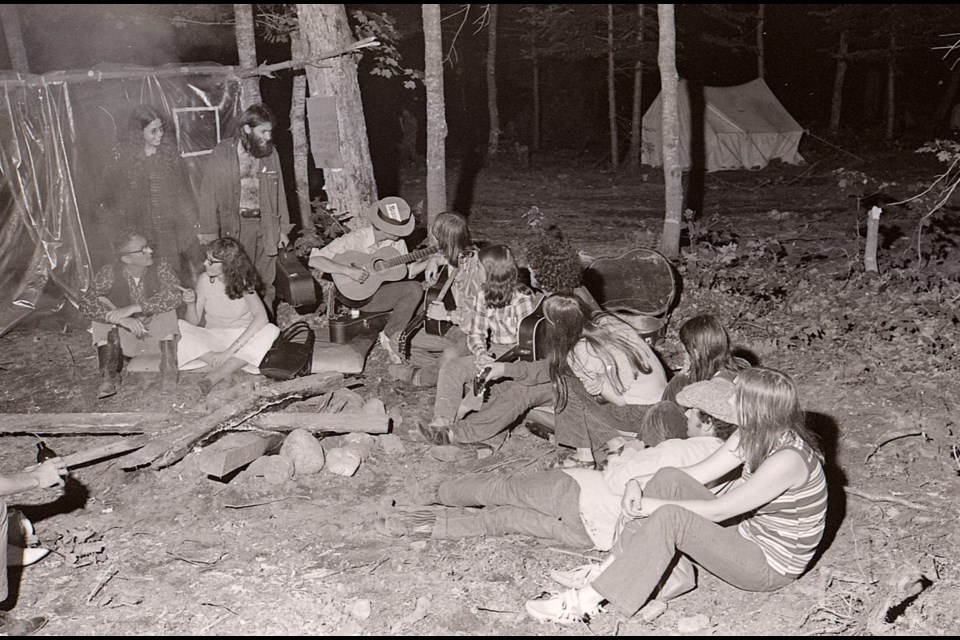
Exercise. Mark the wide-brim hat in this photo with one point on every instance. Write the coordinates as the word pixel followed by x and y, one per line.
pixel 711 396
pixel 392 215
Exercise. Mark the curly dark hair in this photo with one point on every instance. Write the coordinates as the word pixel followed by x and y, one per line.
pixel 123 234
pixel 239 275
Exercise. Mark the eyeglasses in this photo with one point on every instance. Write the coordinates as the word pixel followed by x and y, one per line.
pixel 212 260
pixel 142 250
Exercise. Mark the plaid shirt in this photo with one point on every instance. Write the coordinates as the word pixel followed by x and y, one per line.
pixel 501 324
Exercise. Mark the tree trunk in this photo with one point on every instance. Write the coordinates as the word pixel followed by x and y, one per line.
pixel 670 131
pixel 352 189
pixel 247 52
pixel 891 89
pixel 612 93
pixel 536 101
pixel 942 117
pixel 760 53
pixel 838 84
pixel 636 124
pixel 436 113
pixel 298 130
pixel 14 36
pixel 493 142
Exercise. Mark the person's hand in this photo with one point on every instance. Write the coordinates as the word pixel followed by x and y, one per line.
pixel 206 238
pixel 432 272
pixel 360 275
pixel 632 498
pixel 134 326
pixel 220 357
pixel 114 316
pixel 497 370
pixel 436 311
pixel 284 241
pixel 483 361
pixel 189 295
pixel 50 473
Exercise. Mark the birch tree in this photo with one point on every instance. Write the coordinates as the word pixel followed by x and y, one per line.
pixel 670 130
pixel 436 116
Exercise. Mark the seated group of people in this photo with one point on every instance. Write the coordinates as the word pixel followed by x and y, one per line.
pixel 635 483
pixel 657 503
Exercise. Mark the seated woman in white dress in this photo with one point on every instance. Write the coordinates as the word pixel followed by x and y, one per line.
pixel 225 324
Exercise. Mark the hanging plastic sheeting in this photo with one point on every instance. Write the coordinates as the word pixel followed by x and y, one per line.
pixel 58 134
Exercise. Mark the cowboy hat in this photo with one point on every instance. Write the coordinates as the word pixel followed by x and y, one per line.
pixel 392 215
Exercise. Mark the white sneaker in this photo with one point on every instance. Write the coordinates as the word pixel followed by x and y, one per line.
pixel 576 578
pixel 20 557
pixel 562 608
pixel 392 354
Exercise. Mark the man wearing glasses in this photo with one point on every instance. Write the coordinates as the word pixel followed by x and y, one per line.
pixel 132 304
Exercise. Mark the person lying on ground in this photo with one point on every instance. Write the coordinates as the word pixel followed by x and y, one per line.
pixel 782 497
pixel 577 507
pixel 225 326
pixel 50 473
pixel 132 305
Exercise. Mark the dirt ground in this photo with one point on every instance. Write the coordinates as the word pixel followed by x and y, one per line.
pixel 876 361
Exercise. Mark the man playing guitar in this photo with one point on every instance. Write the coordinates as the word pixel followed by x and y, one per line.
pixel 391 221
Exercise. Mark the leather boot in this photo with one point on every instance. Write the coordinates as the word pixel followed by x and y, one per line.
pixel 110 358
pixel 169 371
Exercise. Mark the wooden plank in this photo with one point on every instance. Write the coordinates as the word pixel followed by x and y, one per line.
pixel 318 422
pixel 82 423
pixel 104 451
pixel 169 447
pixel 234 450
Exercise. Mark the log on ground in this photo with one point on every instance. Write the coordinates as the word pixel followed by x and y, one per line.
pixel 169 447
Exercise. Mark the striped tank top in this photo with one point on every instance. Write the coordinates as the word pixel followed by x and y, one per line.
pixel 789 528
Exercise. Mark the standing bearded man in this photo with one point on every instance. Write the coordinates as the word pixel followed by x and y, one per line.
pixel 242 195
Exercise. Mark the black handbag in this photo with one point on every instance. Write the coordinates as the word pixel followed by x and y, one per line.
pixel 291 355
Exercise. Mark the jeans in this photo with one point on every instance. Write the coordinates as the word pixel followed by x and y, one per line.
pixel 508 402
pixel 647 547
pixel 401 299
pixel 544 505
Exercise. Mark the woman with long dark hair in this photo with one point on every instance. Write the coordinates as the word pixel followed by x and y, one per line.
pixel 706 353
pixel 151 191
pixel 605 377
pixel 235 332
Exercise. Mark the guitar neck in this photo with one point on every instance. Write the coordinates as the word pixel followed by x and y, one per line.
pixel 409 257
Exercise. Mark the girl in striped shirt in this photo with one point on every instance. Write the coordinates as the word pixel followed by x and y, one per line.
pixel 782 498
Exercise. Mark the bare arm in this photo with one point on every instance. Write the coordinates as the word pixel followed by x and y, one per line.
pixel 783 470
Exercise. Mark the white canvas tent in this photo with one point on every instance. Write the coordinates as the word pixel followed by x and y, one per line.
pixel 744 127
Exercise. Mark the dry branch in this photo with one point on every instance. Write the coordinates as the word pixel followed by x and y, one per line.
pixel 872 497
pixel 169 447
pixel 890 437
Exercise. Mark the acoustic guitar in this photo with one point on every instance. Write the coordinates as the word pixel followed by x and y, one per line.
pixel 439 290
pixel 529 348
pixel 385 265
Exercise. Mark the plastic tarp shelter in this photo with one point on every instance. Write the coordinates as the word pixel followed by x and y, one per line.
pixel 744 127
pixel 57 133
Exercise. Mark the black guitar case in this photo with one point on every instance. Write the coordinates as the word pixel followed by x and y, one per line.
pixel 294 283
pixel 345 327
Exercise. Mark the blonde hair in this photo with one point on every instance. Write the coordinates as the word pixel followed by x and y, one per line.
pixel 768 408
